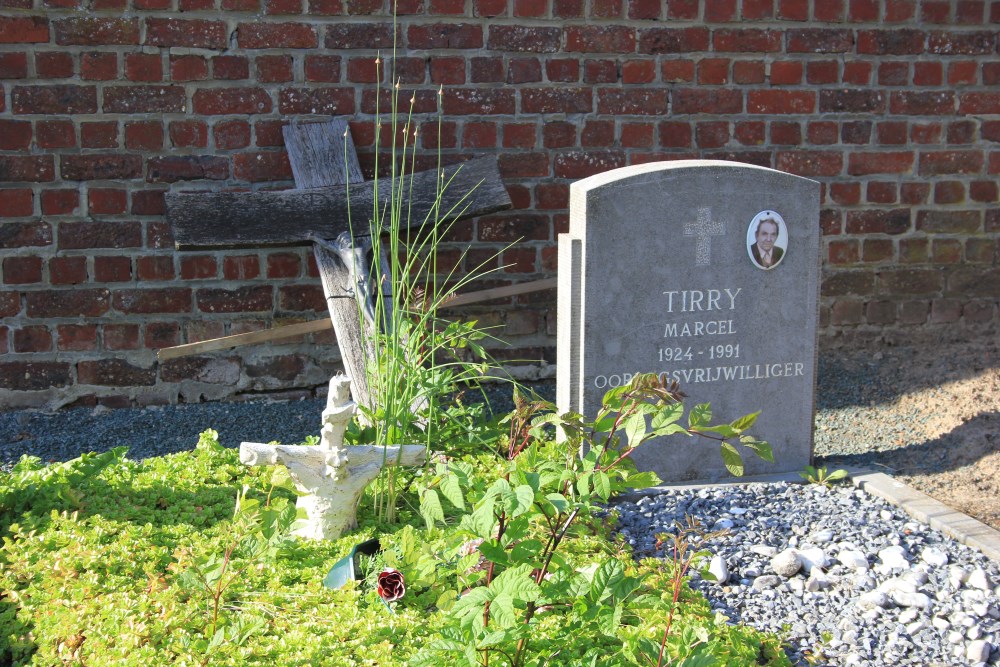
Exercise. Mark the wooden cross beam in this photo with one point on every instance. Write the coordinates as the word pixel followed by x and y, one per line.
pixel 324 164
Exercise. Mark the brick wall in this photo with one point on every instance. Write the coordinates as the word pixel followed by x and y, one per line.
pixel 105 105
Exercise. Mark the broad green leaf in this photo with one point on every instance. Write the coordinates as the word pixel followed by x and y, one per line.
pixel 745 422
pixel 836 475
pixel 517 583
pixel 668 414
pixel 700 415
pixel 502 610
pixel 482 521
pixel 608 574
pixel 451 487
pixel 725 430
pixel 558 501
pixel 602 485
pixel 494 553
pixel 430 508
pixel 732 459
pixel 525 496
pixel 761 448
pixel 494 638
pixel 635 428
pixel 642 480
pixel 583 484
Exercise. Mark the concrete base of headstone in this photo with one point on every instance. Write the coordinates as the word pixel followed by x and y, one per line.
pixel 666 270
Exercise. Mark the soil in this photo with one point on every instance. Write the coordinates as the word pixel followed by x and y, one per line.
pixel 932 420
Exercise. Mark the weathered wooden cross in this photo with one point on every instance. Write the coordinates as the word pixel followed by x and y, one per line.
pixel 318 211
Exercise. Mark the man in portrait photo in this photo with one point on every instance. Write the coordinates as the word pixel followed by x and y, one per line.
pixel 765 253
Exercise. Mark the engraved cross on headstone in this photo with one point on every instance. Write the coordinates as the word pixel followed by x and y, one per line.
pixel 703 230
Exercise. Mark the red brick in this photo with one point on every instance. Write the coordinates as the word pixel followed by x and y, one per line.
pixel 100 166
pixel 331 101
pixel 856 132
pixel 464 101
pixel 87 31
pixel 161 334
pixel 231 134
pixel 713 71
pixel 445 36
pixel 170 169
pixel 34 375
pixel 299 298
pixel 922 103
pixel 524 165
pixel 822 132
pixel 240 300
pixel 13 65
pixel 979 103
pixel 144 99
pixel 961 132
pixel 793 10
pixel 479 135
pixel 598 134
pixel 899 10
pixel 600 39
pixel 638 71
pixel 322 68
pixel 695 100
pixel 15 134
pixel 154 267
pixel 283 265
pixel 582 164
pixel 68 270
pixel 925 133
pixel 820 40
pixel 880 192
pixel 242 267
pixel 949 222
pixel 562 70
pixel 674 134
pixel 655 41
pixel 259 35
pixel 76 337
pixel 143 67
pixel 53 65
pixel 781 102
pixel 949 192
pixel 928 73
pixel 22 270
pixel 811 163
pixel 754 10
pixel 876 250
pixel 822 72
pixel 199 267
pixel 639 102
pixel 712 134
pixel 102 134
pixel 114 373
pixel 750 133
pixel 344 35
pixel 54 100
pixel 201 34
pixel 787 134
pixel 969 12
pixel 99 234
pixel 784 73
pixel 32 339
pixel 107 201
pixel 567 9
pixel 600 71
pixel 893 74
pixel 16 203
pixel 188 133
pixel 899 42
pixel 226 101
pixel 144 135
pixel 845 194
pixel 273 69
pixel 746 40
pixel 490 7
pixel 844 252
pixel 748 71
pixel 67 303
pixel 530 8
pixel 829 10
pixel 149 301
pixel 524 70
pixel 637 135
pixel 718 11
pixel 862 164
pixel 558 134
pixel 260 167
pixel 978 43
pixel 149 202
pixel 878 221
pixel 864 11
pixel 35 168
pixel 98 66
pixel 23 29
pixel 231 68
pixel 115 269
pixel 55 134
pixel 951 162
pixel 858 73
pixel 984 191
pixel 981 251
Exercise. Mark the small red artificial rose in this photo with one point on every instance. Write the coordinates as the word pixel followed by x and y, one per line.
pixel 390 585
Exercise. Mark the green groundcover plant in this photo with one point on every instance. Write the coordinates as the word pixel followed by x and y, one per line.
pixel 508 559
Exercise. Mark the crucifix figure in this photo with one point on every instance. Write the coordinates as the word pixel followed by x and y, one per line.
pixel 331 476
pixel 703 230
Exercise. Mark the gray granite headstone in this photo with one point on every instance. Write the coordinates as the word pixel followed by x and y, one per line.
pixel 708 272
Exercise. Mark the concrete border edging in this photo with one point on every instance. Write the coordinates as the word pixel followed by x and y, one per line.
pixel 960 527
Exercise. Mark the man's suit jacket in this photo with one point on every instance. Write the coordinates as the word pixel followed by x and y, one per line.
pixel 776 255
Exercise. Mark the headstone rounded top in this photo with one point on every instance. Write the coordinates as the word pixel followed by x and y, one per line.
pixel 673 167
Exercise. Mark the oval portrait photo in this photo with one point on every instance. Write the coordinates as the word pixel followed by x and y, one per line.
pixel 767 240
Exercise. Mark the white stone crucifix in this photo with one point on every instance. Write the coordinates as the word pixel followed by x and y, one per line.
pixel 703 231
pixel 332 477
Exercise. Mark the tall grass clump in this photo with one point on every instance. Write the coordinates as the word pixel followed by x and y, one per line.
pixel 417 360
